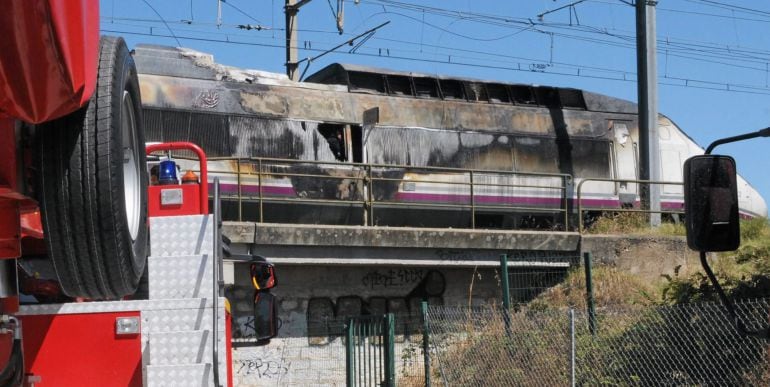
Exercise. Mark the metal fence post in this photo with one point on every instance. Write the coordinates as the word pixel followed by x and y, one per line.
pixel 572 346
pixel 390 350
pixel 425 341
pixel 587 258
pixel 350 373
pixel 504 281
pixel 506 293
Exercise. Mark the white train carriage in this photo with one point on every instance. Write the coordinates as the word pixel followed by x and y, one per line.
pixel 357 145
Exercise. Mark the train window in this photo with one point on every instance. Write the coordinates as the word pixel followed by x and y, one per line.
pixel 571 98
pixel 366 82
pixel 523 95
pixel 335 136
pixel 536 154
pixel 399 85
pixel 356 143
pixel 498 93
pixel 476 91
pixel 451 89
pixel 547 96
pixel 591 158
pixel 425 87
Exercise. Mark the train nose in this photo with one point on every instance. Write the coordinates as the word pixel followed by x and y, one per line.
pixel 761 206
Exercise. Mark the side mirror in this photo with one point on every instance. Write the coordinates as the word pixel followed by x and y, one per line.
pixel 711 203
pixel 262 275
pixel 265 320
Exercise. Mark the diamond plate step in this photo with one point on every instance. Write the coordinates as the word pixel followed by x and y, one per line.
pixel 170 335
pixel 181 235
pixel 198 375
pixel 174 277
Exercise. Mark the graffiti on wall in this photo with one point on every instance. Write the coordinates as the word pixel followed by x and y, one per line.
pixel 260 364
pixel 392 278
pixel 326 317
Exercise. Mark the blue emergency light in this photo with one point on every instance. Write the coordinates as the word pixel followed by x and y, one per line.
pixel 167 173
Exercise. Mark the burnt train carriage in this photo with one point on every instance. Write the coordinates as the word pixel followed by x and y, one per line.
pixel 398 149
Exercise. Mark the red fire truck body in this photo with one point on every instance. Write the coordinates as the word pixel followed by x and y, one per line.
pixel 73 189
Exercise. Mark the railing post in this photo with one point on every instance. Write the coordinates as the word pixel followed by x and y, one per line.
pixel 390 350
pixel 587 258
pixel 215 265
pixel 473 203
pixel 425 341
pixel 567 180
pixel 370 197
pixel 259 182
pixel 240 192
pixel 580 208
pixel 350 371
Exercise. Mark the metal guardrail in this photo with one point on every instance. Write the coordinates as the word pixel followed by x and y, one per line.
pixel 582 207
pixel 368 176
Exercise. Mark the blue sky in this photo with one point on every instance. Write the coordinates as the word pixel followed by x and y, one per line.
pixel 713 58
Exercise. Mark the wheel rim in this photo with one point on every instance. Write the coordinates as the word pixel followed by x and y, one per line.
pixel 131 168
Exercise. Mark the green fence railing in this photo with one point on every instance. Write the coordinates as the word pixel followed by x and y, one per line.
pixel 370 351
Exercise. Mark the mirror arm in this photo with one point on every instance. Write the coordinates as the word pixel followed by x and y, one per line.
pixel 760 133
pixel 729 307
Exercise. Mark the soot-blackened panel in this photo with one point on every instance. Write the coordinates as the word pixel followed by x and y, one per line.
pixel 591 159
pixel 153 124
pixel 211 130
pixel 176 126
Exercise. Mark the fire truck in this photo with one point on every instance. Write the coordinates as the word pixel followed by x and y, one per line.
pixel 82 228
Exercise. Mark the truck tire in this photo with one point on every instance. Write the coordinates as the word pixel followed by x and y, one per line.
pixel 92 184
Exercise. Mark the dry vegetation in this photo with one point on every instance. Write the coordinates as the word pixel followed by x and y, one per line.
pixel 632 223
pixel 612 288
pixel 744 273
pixel 488 356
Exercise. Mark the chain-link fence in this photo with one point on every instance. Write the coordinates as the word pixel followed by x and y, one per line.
pixel 692 345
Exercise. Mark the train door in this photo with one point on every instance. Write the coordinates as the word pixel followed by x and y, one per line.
pixel 625 156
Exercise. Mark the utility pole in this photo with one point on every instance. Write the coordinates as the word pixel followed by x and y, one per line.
pixel 647 81
pixel 291 9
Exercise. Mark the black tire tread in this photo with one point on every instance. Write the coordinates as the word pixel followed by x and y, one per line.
pixel 83 215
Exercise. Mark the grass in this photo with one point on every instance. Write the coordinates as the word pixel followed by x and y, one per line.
pixel 632 223
pixel 631 330
pixel 612 288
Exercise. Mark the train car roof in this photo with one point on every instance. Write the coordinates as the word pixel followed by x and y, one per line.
pixel 374 80
pixel 188 63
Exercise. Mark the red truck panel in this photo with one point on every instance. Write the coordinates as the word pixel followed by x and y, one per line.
pixel 191 201
pixel 81 350
pixel 48 57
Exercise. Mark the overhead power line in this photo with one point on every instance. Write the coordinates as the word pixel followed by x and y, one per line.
pixel 671 81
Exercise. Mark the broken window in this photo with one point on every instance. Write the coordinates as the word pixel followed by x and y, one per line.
pixel 335 136
pixel 366 82
pixel 425 87
pixel 399 85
